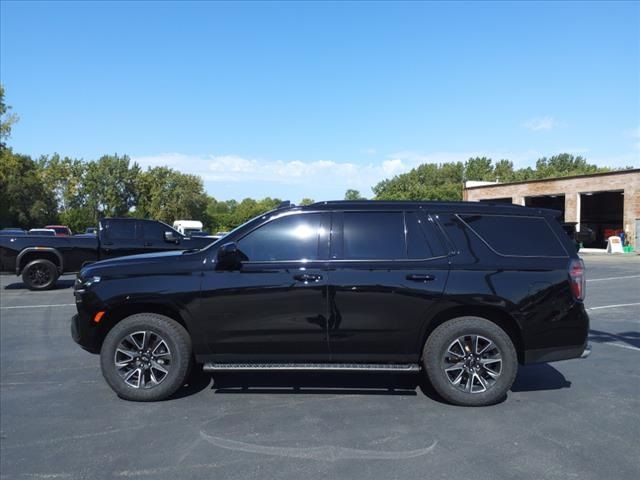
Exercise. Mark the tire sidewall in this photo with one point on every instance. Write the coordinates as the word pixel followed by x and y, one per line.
pixel 53 271
pixel 177 340
pixel 436 348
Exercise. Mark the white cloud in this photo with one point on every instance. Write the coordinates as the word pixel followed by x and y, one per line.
pixel 541 123
pixel 235 168
pixel 234 176
pixel 393 166
pixel 319 174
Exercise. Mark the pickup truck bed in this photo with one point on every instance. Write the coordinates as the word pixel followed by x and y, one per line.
pixel 41 259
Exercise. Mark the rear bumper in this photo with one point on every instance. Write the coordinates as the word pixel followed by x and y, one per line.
pixel 563 337
pixel 555 354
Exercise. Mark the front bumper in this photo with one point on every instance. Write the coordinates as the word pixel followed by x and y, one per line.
pixel 85 335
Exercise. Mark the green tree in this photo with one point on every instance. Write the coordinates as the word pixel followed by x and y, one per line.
pixel 479 168
pixel 25 201
pixel 65 176
pixel 225 216
pixel 444 181
pixel 524 174
pixel 218 215
pixel 110 186
pixel 503 171
pixel 168 195
pixel 307 201
pixel 78 219
pixel 352 194
pixel 7 119
pixel 564 165
pixel 429 181
pixel 249 208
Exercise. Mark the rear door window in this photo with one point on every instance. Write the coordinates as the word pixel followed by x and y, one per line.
pixel 516 235
pixel 373 236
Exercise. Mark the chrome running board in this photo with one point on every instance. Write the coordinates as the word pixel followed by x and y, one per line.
pixel 317 367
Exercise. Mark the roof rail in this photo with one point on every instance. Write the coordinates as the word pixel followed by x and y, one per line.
pixel 285 204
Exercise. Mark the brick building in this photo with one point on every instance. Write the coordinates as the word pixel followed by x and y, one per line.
pixel 604 202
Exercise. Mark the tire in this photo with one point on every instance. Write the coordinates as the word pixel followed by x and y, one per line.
pixel 40 274
pixel 471 380
pixel 138 376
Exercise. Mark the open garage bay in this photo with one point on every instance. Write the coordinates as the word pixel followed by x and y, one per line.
pixel 602 212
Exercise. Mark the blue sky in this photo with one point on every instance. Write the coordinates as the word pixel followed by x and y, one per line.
pixel 309 99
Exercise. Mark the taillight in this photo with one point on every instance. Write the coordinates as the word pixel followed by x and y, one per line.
pixel 577 279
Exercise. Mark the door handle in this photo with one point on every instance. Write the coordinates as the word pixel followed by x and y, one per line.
pixel 107 243
pixel 416 277
pixel 308 277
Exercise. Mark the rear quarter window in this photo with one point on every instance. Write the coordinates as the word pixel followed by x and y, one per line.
pixel 121 230
pixel 422 239
pixel 516 235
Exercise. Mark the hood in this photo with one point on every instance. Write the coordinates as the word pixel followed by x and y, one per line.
pixel 196 242
pixel 145 262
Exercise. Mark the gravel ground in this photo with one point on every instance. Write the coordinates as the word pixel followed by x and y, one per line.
pixel 578 418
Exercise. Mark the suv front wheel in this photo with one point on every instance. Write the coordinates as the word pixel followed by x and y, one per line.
pixel 470 361
pixel 146 357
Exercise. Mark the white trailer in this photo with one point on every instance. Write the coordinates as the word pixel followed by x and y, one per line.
pixel 187 227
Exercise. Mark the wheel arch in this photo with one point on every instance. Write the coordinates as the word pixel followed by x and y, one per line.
pixel 501 318
pixel 119 312
pixel 30 254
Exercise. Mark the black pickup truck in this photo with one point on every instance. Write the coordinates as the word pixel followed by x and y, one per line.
pixel 41 259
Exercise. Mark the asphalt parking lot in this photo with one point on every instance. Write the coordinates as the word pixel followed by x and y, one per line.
pixel 578 418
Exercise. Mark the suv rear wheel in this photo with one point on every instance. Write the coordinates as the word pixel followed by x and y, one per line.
pixel 470 361
pixel 146 357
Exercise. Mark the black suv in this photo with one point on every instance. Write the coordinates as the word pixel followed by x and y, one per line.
pixel 463 292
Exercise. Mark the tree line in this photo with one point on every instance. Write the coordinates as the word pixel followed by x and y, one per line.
pixel 77 193
pixel 73 192
pixel 431 181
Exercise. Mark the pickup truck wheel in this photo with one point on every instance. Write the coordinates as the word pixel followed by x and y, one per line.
pixel 146 357
pixel 470 361
pixel 40 274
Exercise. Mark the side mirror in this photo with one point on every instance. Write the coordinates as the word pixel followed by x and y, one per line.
pixel 229 257
pixel 171 237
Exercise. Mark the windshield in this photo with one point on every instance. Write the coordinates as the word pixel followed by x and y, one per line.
pixel 221 240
